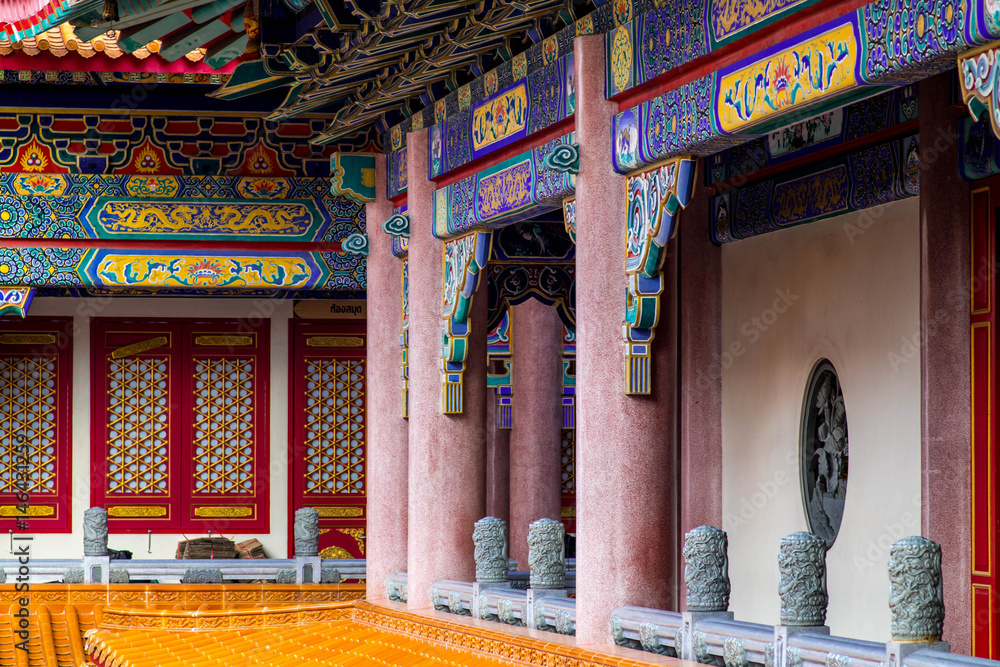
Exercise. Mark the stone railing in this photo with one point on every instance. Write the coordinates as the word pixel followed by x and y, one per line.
pixel 96 567
pixel 535 599
pixel 708 633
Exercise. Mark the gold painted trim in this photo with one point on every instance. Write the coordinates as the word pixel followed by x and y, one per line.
pixel 568 513
pixel 335 341
pixel 219 511
pixel 141 346
pixel 128 511
pixel 989 438
pixel 33 510
pixel 339 512
pixel 224 341
pixel 27 339
pixel 972 603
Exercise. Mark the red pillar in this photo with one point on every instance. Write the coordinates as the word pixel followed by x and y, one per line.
pixel 536 436
pixel 626 464
pixel 700 399
pixel 387 430
pixel 945 361
pixel 447 452
pixel 497 464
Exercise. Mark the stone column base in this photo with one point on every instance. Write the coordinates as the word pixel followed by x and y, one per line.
pixel 102 565
pixel 538 594
pixel 307 569
pixel 896 652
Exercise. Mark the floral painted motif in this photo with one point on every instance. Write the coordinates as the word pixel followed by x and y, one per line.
pixel 500 120
pixel 550 49
pixel 519 66
pixel 39 184
pixel 152 186
pixel 621 58
pixel 263 188
pixel 464 97
pixel 799 74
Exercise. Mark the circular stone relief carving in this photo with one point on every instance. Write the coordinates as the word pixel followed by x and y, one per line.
pixel 823 452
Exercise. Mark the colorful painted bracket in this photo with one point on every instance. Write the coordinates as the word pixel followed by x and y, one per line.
pixel 398 227
pixel 569 217
pixel 463 261
pixel 404 340
pixel 568 391
pixel 16 300
pixel 352 175
pixel 356 244
pixel 979 78
pixel 498 351
pixel 655 197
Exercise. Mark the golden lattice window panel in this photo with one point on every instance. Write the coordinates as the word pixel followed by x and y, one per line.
pixel 334 428
pixel 28 405
pixel 223 425
pixel 138 425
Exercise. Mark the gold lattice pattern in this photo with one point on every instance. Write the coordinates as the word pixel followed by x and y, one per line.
pixel 138 425
pixel 28 394
pixel 223 425
pixel 335 426
pixel 568 461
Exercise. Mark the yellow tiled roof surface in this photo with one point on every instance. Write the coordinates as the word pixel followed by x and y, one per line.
pixel 169 625
pixel 62 40
pixel 341 643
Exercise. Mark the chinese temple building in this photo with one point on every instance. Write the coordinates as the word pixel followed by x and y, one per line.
pixel 495 332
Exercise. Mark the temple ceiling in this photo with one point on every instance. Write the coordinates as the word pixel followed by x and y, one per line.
pixel 364 63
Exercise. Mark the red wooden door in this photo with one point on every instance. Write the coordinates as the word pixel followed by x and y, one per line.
pixel 983 334
pixel 328 452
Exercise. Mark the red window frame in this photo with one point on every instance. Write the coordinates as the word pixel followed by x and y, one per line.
pixel 180 508
pixel 48 512
pixel 343 516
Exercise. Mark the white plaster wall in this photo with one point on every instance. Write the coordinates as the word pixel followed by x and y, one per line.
pixel 164 545
pixel 851 290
